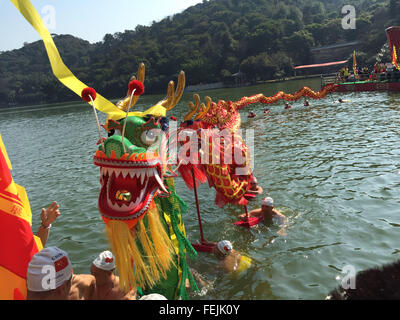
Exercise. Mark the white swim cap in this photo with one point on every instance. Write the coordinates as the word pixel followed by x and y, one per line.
pixel 269 202
pixel 153 296
pixel 105 261
pixel 48 269
pixel 224 247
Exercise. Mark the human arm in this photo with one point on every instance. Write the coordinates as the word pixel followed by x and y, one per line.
pixel 48 216
pixel 252 213
pixel 258 191
pixel 283 221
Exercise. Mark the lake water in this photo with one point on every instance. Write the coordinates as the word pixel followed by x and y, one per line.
pixel 332 169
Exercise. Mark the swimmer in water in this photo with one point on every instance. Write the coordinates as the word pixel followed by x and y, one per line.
pixel 231 260
pixel 254 188
pixel 340 100
pixel 306 103
pixel 251 114
pixel 268 213
pixel 287 106
pixel 266 110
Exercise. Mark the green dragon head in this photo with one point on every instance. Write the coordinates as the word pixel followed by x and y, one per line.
pixel 132 159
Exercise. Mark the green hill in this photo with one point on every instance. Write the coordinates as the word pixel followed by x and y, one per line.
pixel 210 41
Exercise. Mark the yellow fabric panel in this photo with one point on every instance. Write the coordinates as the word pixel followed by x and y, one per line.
pixel 27 213
pixel 15 209
pixel 10 281
pixel 62 73
pixel 38 242
pixel 3 150
pixel 20 209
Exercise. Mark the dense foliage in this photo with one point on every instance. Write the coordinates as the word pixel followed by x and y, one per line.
pixel 210 41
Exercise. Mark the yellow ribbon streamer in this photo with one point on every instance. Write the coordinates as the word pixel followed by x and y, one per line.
pixel 62 73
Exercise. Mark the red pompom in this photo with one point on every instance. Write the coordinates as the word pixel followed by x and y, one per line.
pixel 88 92
pixel 136 84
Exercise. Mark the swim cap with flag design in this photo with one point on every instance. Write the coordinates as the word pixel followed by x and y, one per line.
pixel 225 247
pixel 269 202
pixel 105 261
pixel 48 269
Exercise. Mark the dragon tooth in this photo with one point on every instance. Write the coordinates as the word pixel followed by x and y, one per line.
pixel 160 182
pixel 142 175
pixel 125 172
pixel 117 172
pixel 149 172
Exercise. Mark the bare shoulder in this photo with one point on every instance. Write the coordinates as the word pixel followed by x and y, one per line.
pixel 83 279
pixel 256 211
pixel 131 295
pixel 82 287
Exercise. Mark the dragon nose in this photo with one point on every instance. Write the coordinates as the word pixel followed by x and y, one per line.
pixel 123 195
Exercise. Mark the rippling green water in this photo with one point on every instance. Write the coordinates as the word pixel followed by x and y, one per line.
pixel 332 169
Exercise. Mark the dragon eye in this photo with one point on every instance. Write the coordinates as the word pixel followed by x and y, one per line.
pixel 149 137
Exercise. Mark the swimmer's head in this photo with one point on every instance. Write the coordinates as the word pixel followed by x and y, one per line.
pixel 253 181
pixel 268 202
pixel 224 247
pixel 49 258
pixel 105 261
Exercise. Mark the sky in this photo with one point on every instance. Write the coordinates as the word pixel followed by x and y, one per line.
pixel 86 19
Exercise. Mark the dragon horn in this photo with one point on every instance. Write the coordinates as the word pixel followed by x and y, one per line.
pixel 173 96
pixel 204 109
pixel 193 108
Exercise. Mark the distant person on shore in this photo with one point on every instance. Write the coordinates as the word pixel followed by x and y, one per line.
pixel 346 73
pixel 254 188
pixel 107 284
pixel 48 217
pixel 287 106
pixel 269 214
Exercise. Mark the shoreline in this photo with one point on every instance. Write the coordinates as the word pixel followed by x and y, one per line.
pixel 206 88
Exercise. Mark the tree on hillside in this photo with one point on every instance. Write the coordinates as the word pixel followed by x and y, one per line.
pixel 298 46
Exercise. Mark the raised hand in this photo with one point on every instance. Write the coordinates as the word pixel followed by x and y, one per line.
pixel 50 214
